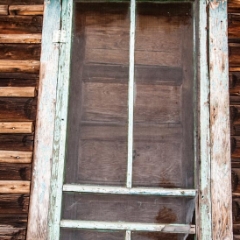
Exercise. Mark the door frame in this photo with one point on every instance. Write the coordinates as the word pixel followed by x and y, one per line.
pixel 214 212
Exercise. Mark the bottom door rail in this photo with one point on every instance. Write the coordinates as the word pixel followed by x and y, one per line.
pixel 144 227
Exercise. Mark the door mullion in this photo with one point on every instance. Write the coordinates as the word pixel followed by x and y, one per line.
pixel 131 93
pixel 60 128
pixel 128 235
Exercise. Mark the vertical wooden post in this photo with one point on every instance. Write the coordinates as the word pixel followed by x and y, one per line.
pixel 204 211
pixel 39 201
pixel 219 122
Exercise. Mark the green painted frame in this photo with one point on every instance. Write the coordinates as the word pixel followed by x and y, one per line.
pixel 214 208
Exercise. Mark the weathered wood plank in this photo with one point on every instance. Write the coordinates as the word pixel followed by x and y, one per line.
pixel 3 9
pixel 60 129
pixel 17 171
pixel 26 66
pixel 7 232
pixel 17 92
pixel 204 211
pixel 38 211
pixel 14 203
pixel 233 6
pixel 20 24
pixel 20 51
pixel 20 109
pixel 14 187
pixel 219 122
pixel 26 10
pixel 16 127
pixel 21 142
pixel 20 38
pixel 15 156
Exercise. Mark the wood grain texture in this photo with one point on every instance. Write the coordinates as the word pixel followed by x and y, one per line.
pixel 20 51
pixel 38 210
pixel 15 156
pixel 26 10
pixel 17 92
pixel 20 109
pixel 21 24
pixel 17 171
pixel 20 38
pixel 3 9
pixel 21 142
pixel 219 122
pixel 16 127
pixel 233 6
pixel 14 203
pixel 25 66
pixel 22 187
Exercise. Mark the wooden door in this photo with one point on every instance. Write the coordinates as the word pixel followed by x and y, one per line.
pixel 129 163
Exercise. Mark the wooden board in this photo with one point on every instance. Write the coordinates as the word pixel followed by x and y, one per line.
pixel 21 24
pixel 20 51
pixel 15 171
pixel 25 66
pixel 15 156
pixel 3 9
pixel 17 92
pixel 20 38
pixel 16 127
pixel 22 187
pixel 22 109
pixel 26 10
pixel 21 142
pixel 219 123
pixel 14 203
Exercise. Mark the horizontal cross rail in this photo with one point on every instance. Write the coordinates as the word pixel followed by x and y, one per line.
pixel 145 227
pixel 173 192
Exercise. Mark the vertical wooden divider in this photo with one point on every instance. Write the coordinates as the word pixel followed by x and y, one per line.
pixel 40 186
pixel 219 122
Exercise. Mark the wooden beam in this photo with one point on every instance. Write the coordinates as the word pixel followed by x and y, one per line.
pixel 14 203
pixel 26 10
pixel 28 66
pixel 17 92
pixel 21 38
pixel 219 122
pixel 3 9
pixel 39 205
pixel 15 156
pixel 15 187
pixel 233 6
pixel 16 127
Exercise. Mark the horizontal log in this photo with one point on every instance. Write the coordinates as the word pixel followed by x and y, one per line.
pixel 17 92
pixel 21 38
pixel 234 54
pixel 14 203
pixel 234 69
pixel 235 147
pixel 28 66
pixel 233 26
pixel 16 51
pixel 3 9
pixel 22 109
pixel 8 232
pixel 26 10
pixel 22 187
pixel 21 142
pixel 16 127
pixel 233 6
pixel 236 228
pixel 234 80
pixel 15 171
pixel 15 156
pixel 20 24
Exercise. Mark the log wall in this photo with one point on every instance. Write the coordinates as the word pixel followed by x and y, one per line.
pixel 20 47
pixel 234 90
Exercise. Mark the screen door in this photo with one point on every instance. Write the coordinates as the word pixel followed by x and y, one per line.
pixel 129 161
